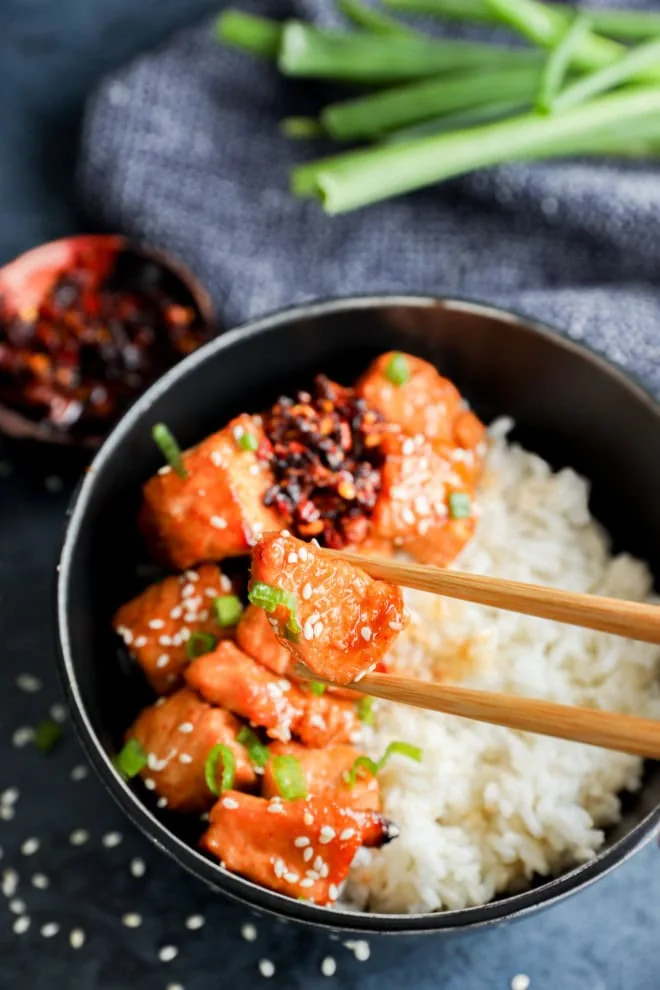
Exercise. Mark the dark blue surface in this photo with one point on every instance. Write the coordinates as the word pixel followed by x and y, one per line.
pixel 51 53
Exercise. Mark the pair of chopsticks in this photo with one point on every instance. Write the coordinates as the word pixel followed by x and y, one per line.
pixel 610 730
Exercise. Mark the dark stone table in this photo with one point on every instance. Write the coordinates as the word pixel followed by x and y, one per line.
pixel 90 877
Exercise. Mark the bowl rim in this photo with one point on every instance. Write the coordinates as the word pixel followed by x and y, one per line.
pixel 506 908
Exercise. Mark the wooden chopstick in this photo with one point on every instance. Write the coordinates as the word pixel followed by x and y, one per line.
pixel 624 733
pixel 634 620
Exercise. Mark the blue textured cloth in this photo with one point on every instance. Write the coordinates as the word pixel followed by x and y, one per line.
pixel 183 148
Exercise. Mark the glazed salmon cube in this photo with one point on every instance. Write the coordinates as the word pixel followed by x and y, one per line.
pixel 255 636
pixel 178 734
pixel 426 507
pixel 230 678
pixel 326 719
pixel 426 403
pixel 156 625
pixel 269 841
pixel 325 772
pixel 347 620
pixel 217 510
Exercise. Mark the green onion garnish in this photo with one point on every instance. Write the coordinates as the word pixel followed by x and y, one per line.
pixel 131 759
pixel 227 609
pixel 398 369
pixel 289 777
pixel 220 752
pixel 267 597
pixel 47 735
pixel 257 752
pixel 199 643
pixel 460 505
pixel 169 448
pixel 365 710
pixel 247 441
pixel 402 748
pixel 316 687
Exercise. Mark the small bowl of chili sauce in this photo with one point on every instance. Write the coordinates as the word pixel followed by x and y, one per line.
pixel 86 325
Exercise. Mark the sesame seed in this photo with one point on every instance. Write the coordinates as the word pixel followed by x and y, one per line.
pixel 249 932
pixel 307 592
pixel 10 796
pixel 229 803
pixel 327 834
pixel 292 558
pixel 163 660
pixel 9 882
pixel 138 868
pixel 348 833
pixel 16 906
pixel 408 516
pixel 279 868
pixel 185 758
pixel 328 966
pixel 218 522
pixel 168 953
pixel 302 553
pixel 319 863
pixel 174 986
pixel 184 634
pixel 165 469
pixel 291 877
pixel 308 630
pixel 324 870
pixel 6 813
pixel 521 981
pixel 314 618
pixel 79 837
pixel 30 847
pixel 22 736
pixel 333 892
pixel 285 532
pixel 396 626
pixel 28 683
pixel 360 949
pixel 21 925
pixel 308 818
pixel 79 772
pixel 140 642
pixel 111 839
pixel 161 802
pixel 307 882
pixel 365 632
pixel 53 483
pixel 150 784
pixel 308 853
pixel 50 929
pixel 318 630
pixel 165 640
pixel 301 841
pixel 266 968
pixel 76 938
pixel 58 713
pixel 40 881
pixel 176 612
pixel 156 624
pixel 132 920
pixel 194 922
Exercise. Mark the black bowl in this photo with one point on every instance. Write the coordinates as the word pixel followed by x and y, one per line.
pixel 572 407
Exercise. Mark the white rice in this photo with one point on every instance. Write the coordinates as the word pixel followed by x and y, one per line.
pixel 489 807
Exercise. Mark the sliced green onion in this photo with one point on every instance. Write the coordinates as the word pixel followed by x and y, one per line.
pixel 248 32
pixel 47 735
pixel 636 61
pixel 131 759
pixel 246 440
pixel 268 598
pixel 169 449
pixel 365 710
pixel 316 687
pixel 289 777
pixel 227 609
pixel 460 505
pixel 401 748
pixel 558 62
pixel 397 370
pixel 199 643
pixel 257 752
pixel 224 753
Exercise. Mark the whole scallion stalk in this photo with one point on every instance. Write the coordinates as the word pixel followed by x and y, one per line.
pixel 630 66
pixel 359 178
pixel 624 25
pixel 558 62
pixel 361 57
pixel 371 19
pixel 377 113
pixel 250 33
pixel 485 113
